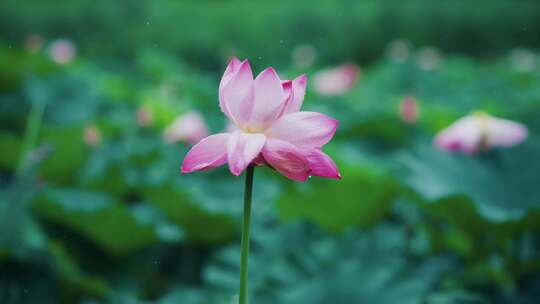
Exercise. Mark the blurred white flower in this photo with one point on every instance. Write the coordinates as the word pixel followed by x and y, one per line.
pixel 304 55
pixel 188 127
pixel 480 131
pixel 92 136
pixel 336 81
pixel 429 58
pixel 33 43
pixel 409 110
pixel 399 50
pixel 522 60
pixel 62 51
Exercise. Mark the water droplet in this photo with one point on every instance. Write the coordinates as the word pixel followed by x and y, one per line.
pixel 155 262
pixel 260 57
pixel 147 22
pixel 281 41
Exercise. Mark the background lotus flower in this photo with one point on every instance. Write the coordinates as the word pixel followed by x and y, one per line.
pixel 271 128
pixel 336 81
pixel 62 51
pixel 33 43
pixel 399 50
pixel 92 136
pixel 480 131
pixel 522 60
pixel 145 117
pixel 188 127
pixel 304 55
pixel 409 110
pixel 429 58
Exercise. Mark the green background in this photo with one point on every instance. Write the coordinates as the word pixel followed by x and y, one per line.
pixel 118 223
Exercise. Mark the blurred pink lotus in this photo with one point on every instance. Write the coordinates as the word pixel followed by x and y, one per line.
pixel 33 43
pixel 188 127
pixel 144 116
pixel 480 131
pixel 336 81
pixel 62 51
pixel 92 136
pixel 270 128
pixel 409 110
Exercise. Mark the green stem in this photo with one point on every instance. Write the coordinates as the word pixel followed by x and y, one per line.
pixel 245 236
pixel 31 133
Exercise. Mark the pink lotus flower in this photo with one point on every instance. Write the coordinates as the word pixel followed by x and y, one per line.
pixel 409 111
pixel 92 136
pixel 62 51
pixel 336 81
pixel 271 128
pixel 145 117
pixel 33 43
pixel 188 127
pixel 480 131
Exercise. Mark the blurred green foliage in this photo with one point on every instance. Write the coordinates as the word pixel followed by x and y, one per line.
pixel 206 31
pixel 96 211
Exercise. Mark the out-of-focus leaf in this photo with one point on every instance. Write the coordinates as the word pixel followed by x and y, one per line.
pixel 500 184
pixel 21 235
pixel 150 215
pixel 68 152
pixel 362 197
pixel 199 223
pixel 66 268
pixel 188 296
pixel 526 293
pixel 455 297
pixel 97 216
pixel 126 165
pixel 15 65
pixel 205 204
pixel 293 264
pixel 10 146
pixel 27 283
pixel 69 99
